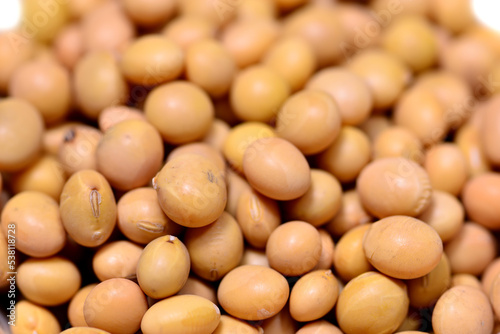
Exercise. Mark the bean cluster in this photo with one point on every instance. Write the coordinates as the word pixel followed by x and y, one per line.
pixel 250 166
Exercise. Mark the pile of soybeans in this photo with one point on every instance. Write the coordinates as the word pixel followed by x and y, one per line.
pixel 249 166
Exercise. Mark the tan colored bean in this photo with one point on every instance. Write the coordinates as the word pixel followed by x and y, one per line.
pixel 75 307
pixel 429 123
pixel 258 216
pixel 45 175
pixel 463 308
pixel 264 290
pixel 186 30
pixel 98 83
pixel 445 214
pixel 44 84
pixel 199 287
pixel 206 245
pixel 394 186
pixel 31 317
pixel 412 39
pixel 317 24
pixel 33 220
pixel 140 217
pixel 180 110
pixel 152 60
pixel 78 149
pixel 191 190
pixel 48 281
pixel 385 74
pixel 350 92
pixel 116 259
pixel 88 208
pixel 447 168
pixel 257 92
pixel 471 250
pixel 46 32
pixel 187 314
pixel 150 13
pixel 107 28
pixel 163 267
pixel 391 243
pixel 247 41
pixel 130 154
pixel 310 120
pixel 115 298
pixel 425 291
pixel 294 248
pixel 313 295
pixel 293 58
pixel 21 131
pixel 277 169
pixel 320 203
pixel 211 66
pixel 377 292
pixel 349 259
pixel 351 214
pixel 468 57
pixel 347 155
pixel 12 58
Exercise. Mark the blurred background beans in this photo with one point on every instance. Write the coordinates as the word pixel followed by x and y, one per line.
pixel 285 166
